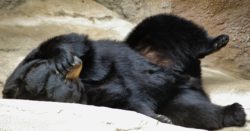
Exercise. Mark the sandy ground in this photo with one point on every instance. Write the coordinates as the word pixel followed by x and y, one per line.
pixel 21 33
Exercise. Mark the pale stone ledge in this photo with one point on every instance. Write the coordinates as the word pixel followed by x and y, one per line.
pixel 23 115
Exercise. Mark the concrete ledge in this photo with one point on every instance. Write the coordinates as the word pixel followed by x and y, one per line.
pixel 23 115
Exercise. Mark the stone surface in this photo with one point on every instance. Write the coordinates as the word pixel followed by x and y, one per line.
pixel 20 115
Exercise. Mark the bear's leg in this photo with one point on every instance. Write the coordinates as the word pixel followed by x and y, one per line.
pixel 214 45
pixel 220 41
pixel 191 108
pixel 234 115
pixel 146 110
pixel 121 100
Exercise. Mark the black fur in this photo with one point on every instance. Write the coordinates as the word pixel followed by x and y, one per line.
pixel 182 44
pixel 113 75
pixel 156 71
pixel 37 77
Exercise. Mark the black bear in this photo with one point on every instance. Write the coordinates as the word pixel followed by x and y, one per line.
pixel 169 41
pixel 156 70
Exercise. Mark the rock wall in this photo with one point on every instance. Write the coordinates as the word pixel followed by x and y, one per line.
pixel 222 16
pixel 136 10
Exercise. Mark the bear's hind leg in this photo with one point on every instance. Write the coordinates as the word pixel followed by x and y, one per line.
pixel 220 41
pixel 234 115
pixel 213 45
pixel 191 108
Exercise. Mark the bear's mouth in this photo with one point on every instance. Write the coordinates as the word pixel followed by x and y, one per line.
pixel 74 72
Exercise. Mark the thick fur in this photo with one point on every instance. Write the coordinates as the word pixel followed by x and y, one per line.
pixel 113 75
pixel 156 71
pixel 174 42
pixel 37 77
pixel 170 40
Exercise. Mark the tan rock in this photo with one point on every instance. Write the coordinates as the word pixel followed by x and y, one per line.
pixel 20 115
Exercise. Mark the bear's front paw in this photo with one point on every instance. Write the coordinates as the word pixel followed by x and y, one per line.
pixel 163 119
pixel 69 67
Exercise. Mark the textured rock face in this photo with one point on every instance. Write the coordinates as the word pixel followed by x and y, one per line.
pixel 223 16
pixel 136 10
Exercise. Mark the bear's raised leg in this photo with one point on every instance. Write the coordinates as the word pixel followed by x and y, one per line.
pixel 214 45
pixel 220 41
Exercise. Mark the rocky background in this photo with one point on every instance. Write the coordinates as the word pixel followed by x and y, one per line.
pixel 26 23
